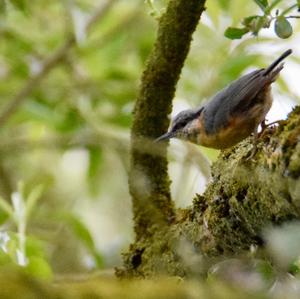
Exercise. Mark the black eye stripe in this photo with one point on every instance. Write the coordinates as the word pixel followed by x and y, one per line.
pixel 180 124
pixel 184 117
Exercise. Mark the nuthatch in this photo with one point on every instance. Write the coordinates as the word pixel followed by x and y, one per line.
pixel 232 114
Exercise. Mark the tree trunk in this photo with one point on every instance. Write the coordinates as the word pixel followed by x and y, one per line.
pixel 148 179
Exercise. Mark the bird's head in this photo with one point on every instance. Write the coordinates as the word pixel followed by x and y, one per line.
pixel 180 125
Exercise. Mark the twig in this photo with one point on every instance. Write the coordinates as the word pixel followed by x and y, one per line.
pixel 48 65
pixel 293 17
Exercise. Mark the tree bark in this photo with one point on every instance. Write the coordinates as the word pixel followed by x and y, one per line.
pixel 243 198
pixel 148 179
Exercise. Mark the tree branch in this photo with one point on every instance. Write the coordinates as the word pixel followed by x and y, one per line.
pixel 243 198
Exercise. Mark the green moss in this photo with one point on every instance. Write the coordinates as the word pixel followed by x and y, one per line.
pixel 245 196
pixel 151 198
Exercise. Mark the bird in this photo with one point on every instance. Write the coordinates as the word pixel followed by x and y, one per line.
pixel 233 114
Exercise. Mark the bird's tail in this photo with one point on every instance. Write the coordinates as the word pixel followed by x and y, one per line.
pixel 270 68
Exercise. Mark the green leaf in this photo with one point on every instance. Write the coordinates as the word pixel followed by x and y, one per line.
pixel 35 247
pixel 84 235
pixel 39 268
pixel 298 4
pixel 81 231
pixel 4 206
pixel 247 22
pixel 254 23
pixel 235 33
pixel 263 4
pixel 32 199
pixel 283 28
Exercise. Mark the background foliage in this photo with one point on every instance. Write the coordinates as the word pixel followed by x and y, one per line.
pixel 67 92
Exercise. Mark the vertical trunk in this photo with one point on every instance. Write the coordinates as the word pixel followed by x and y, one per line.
pixel 149 183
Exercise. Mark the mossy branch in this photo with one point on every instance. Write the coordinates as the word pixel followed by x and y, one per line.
pixel 246 196
pixel 243 198
pixel 148 180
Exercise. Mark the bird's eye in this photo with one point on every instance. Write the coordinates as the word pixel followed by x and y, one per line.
pixel 179 124
pixel 183 118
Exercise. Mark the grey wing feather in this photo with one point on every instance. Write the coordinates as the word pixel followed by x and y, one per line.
pixel 236 97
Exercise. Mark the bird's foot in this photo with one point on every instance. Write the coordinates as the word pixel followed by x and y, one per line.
pixel 257 136
pixel 264 126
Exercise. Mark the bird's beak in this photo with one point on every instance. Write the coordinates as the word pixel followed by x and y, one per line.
pixel 165 136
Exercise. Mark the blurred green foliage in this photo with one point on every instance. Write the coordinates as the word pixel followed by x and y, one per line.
pixel 271 11
pixel 69 133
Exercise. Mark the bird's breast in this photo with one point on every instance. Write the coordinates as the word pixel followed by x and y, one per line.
pixel 236 130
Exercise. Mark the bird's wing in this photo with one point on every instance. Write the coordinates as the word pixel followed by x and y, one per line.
pixel 233 99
